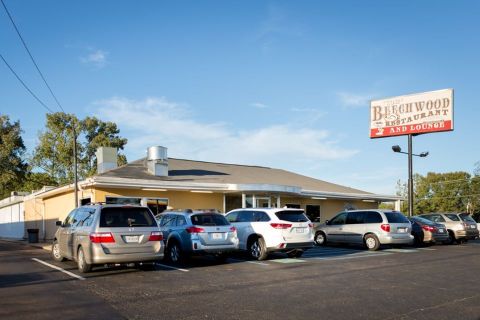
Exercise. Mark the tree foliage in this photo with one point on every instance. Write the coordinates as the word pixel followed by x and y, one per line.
pixel 443 192
pixel 12 150
pixel 54 152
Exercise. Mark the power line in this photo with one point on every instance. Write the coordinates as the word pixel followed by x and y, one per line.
pixel 25 86
pixel 31 56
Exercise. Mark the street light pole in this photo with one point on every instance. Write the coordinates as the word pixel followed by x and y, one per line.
pixel 410 176
pixel 410 170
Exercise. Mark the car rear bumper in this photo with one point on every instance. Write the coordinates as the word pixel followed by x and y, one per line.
pixel 396 239
pixel 440 237
pixel 467 234
pixel 292 245
pixel 199 248
pixel 101 255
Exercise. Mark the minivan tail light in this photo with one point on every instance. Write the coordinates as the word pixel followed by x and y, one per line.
pixel 156 236
pixel 281 225
pixel 233 229
pixel 195 230
pixel 385 227
pixel 101 237
pixel 310 225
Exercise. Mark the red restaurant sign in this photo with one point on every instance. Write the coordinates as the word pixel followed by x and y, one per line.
pixel 412 114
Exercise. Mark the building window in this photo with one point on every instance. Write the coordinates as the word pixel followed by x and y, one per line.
pixel 85 201
pixel 122 200
pixel 157 205
pixel 292 205
pixel 313 212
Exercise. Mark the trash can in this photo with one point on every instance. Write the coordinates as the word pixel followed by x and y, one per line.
pixel 32 235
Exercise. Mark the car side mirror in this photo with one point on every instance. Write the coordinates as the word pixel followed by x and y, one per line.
pixel 58 223
pixel 327 221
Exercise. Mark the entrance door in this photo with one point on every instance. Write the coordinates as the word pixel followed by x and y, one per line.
pixel 263 202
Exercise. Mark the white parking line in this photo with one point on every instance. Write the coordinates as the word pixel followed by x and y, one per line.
pixel 368 255
pixel 253 262
pixel 426 249
pixel 71 274
pixel 170 267
pixel 312 254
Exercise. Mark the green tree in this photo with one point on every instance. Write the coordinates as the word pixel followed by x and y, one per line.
pixel 54 153
pixel 442 192
pixel 100 134
pixel 12 149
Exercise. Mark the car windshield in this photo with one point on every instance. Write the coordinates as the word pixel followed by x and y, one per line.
pixel 466 217
pixel 292 216
pixel 209 220
pixel 396 217
pixel 124 217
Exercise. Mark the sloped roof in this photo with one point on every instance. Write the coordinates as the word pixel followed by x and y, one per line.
pixel 181 170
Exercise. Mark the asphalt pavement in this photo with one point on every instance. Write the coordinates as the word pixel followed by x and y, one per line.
pixel 438 282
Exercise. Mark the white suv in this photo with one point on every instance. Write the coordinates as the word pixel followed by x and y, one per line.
pixel 264 230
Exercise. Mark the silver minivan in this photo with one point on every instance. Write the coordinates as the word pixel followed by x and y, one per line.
pixel 108 234
pixel 371 228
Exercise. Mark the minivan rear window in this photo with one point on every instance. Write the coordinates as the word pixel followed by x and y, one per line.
pixel 396 217
pixel 125 217
pixel 292 216
pixel 209 220
pixel 466 217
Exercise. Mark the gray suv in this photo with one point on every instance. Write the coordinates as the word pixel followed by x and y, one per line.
pixel 108 234
pixel 371 228
pixel 461 227
pixel 195 233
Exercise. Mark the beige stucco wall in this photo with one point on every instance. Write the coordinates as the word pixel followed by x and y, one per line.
pixel 176 199
pixel 328 208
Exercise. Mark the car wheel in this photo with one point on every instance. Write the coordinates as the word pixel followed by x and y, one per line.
pixel 371 242
pixel 418 240
pixel 56 252
pixel 175 254
pixel 295 253
pixel 451 238
pixel 258 249
pixel 82 264
pixel 320 238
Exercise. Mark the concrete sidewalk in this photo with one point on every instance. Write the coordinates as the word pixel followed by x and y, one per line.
pixel 41 245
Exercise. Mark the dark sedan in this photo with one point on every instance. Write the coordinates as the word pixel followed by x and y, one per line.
pixel 426 231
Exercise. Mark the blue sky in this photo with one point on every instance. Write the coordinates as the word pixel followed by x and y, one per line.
pixel 284 84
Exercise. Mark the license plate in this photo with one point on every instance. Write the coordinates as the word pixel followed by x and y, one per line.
pixel 473 227
pixel 131 239
pixel 402 230
pixel 217 236
pixel 441 230
pixel 301 230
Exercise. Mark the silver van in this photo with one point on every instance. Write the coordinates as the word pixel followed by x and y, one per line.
pixel 371 228
pixel 108 234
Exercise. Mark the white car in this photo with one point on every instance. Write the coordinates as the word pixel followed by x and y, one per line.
pixel 264 230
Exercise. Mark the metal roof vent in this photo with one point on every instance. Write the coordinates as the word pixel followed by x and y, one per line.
pixel 106 159
pixel 157 161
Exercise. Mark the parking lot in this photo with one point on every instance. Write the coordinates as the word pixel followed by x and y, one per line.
pixel 437 282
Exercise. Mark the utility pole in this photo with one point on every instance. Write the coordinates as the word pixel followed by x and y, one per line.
pixel 75 177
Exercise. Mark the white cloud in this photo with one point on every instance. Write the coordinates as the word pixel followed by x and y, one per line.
pixel 259 105
pixel 157 121
pixel 354 100
pixel 97 58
